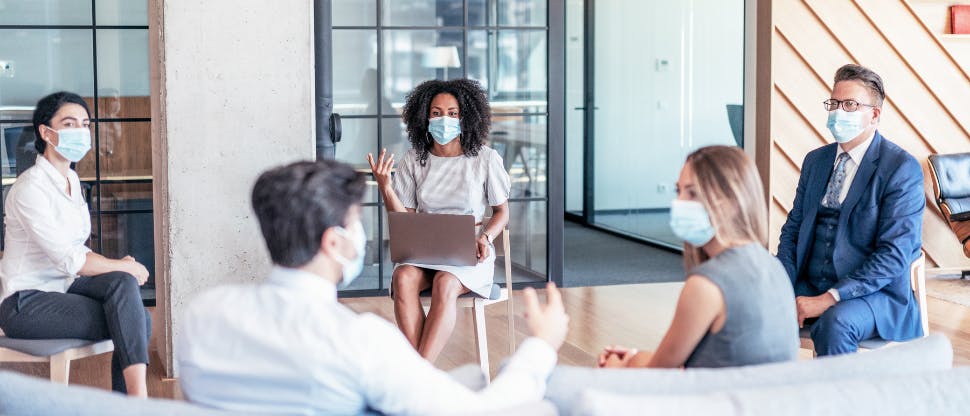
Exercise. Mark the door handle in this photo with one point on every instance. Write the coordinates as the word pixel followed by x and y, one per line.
pixel 583 108
pixel 336 130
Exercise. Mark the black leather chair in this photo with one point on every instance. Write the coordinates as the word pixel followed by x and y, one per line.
pixel 951 189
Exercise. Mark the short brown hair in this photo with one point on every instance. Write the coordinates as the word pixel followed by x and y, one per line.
pixel 729 187
pixel 869 79
pixel 296 203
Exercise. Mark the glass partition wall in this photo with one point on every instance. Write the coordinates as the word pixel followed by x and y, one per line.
pixel 381 50
pixel 99 50
pixel 648 82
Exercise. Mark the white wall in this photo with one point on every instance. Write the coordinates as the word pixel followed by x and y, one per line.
pixel 232 96
pixel 651 115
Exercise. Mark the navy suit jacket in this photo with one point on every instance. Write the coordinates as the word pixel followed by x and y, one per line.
pixel 879 234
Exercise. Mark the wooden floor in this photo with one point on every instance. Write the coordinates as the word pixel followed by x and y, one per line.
pixel 632 315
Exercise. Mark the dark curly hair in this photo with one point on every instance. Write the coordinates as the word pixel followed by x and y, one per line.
pixel 473 108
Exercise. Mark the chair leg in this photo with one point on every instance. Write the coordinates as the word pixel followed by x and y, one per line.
pixel 60 368
pixel 511 314
pixel 481 338
pixel 807 344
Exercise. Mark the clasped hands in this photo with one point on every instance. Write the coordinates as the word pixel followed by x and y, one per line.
pixel 812 306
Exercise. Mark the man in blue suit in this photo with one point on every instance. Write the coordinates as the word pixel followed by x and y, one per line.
pixel 855 226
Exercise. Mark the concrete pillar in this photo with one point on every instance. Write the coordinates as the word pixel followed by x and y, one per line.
pixel 232 95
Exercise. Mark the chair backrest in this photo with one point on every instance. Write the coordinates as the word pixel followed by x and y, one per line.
pixel 951 184
pixel 503 249
pixel 917 279
pixel 735 114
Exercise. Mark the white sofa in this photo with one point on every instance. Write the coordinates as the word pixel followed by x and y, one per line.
pixel 913 378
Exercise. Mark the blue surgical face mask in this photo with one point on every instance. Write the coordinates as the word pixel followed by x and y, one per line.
pixel 352 268
pixel 73 144
pixel 690 222
pixel 846 126
pixel 444 129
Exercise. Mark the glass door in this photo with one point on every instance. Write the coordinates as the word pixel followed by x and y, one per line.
pixel 380 50
pixel 667 79
pixel 575 107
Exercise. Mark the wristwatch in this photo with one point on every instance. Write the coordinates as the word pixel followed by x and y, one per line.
pixel 488 237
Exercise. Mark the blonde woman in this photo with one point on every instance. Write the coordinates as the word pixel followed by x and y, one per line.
pixel 736 306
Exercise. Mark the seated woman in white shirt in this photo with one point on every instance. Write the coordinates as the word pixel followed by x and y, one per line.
pixel 54 286
pixel 448 170
pixel 287 346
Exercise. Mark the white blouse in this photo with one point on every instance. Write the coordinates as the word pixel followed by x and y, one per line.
pixel 46 231
pixel 453 185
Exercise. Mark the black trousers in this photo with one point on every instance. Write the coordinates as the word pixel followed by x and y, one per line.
pixel 100 307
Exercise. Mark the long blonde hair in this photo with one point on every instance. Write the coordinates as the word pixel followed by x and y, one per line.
pixel 728 185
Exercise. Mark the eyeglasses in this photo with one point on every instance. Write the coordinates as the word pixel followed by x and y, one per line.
pixel 847 105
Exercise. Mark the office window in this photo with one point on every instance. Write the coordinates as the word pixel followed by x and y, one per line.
pixel 99 50
pixel 383 49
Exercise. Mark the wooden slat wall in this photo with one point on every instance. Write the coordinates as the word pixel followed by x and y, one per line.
pixel 927 109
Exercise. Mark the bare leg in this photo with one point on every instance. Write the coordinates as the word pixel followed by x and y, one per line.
pixel 441 318
pixel 407 282
pixel 135 380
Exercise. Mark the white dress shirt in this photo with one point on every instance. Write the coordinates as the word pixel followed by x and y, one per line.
pixel 46 231
pixel 286 346
pixel 851 167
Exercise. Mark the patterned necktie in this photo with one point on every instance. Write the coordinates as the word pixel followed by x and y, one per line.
pixel 834 189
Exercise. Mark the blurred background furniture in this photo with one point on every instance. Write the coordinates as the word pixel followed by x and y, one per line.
pixel 951 191
pixel 735 114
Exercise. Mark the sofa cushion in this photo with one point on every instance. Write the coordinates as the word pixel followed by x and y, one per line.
pixel 25 395
pixel 542 408
pixel 933 393
pixel 927 354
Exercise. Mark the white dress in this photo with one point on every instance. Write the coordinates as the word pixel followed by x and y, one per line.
pixel 456 185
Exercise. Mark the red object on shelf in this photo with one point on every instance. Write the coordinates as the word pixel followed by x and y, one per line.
pixel 960 20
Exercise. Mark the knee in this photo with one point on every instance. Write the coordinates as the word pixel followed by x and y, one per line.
pixel 121 281
pixel 832 325
pixel 405 281
pixel 446 286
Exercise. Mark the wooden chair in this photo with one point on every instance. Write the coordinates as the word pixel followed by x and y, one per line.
pixel 58 352
pixel 917 279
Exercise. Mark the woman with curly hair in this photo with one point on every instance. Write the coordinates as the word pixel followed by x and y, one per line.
pixel 448 170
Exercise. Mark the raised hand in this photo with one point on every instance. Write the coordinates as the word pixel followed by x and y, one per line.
pixel 382 168
pixel 547 322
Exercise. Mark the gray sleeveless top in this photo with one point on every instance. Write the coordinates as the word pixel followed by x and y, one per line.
pixel 760 324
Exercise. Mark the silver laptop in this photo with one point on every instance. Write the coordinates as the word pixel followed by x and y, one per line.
pixel 441 239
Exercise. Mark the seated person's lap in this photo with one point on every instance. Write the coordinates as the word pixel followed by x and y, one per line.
pixel 842 327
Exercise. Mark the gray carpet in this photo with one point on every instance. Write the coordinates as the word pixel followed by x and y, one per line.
pixel 594 258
